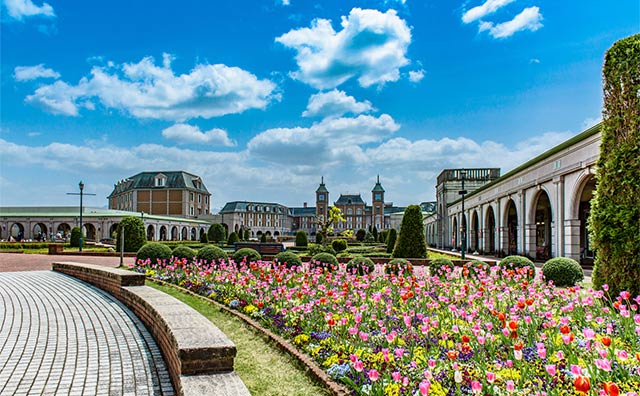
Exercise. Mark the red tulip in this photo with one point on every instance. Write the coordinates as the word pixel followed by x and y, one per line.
pixel 582 384
pixel 611 388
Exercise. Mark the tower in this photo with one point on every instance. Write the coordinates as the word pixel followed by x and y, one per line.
pixel 322 200
pixel 377 210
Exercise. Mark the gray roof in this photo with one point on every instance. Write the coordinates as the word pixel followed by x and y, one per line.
pixel 378 186
pixel 241 206
pixel 308 211
pixel 175 180
pixel 350 200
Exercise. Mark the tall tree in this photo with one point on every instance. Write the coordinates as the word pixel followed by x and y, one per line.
pixel 615 212
pixel 411 242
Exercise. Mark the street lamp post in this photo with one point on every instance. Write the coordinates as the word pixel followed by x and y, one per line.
pixel 463 221
pixel 81 185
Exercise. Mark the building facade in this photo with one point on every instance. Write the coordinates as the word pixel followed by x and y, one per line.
pixel 539 209
pixel 271 219
pixel 177 193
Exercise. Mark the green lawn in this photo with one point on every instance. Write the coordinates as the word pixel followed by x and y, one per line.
pixel 262 366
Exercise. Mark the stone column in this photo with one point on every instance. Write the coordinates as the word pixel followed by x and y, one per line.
pixel 530 247
pixel 572 239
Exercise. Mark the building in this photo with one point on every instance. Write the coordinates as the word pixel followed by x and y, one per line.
pixel 539 209
pixel 179 194
pixel 271 219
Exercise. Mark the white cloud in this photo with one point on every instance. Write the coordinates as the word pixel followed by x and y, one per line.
pixel 591 121
pixel 189 134
pixel 33 134
pixel 529 19
pixel 145 90
pixel 285 2
pixel 488 7
pixel 19 9
pixel 534 60
pixel 416 76
pixel 370 47
pixel 330 141
pixel 27 73
pixel 335 103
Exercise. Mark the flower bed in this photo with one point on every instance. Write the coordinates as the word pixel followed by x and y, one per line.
pixel 471 332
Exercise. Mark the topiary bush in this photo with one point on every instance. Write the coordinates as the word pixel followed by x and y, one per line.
pixel 233 238
pixel 438 267
pixel 318 239
pixel 75 237
pixel 516 262
pixel 562 271
pixel 184 252
pixel 325 260
pixel 316 248
pixel 411 242
pixel 248 253
pixel 263 238
pixel 204 238
pixel 397 266
pixel 301 239
pixel 339 245
pixel 246 235
pixel 362 265
pixel 290 259
pixel 217 233
pixel 360 234
pixel 154 251
pixel 615 212
pixel 392 236
pixel 134 234
pixel 211 254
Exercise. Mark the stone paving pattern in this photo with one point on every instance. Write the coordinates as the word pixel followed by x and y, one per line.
pixel 60 336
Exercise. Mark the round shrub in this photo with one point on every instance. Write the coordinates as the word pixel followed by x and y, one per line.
pixel 75 237
pixel 562 271
pixel 233 238
pixel 301 238
pixel 184 252
pixel 316 248
pixel 436 266
pixel 360 234
pixel 211 254
pixel 395 266
pixel 290 259
pixel 339 245
pixel 517 262
pixel 134 234
pixel 154 251
pixel 216 233
pixel 362 265
pixel 325 260
pixel 250 254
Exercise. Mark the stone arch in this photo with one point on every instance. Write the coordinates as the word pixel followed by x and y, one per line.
pixel 184 234
pixel 490 231
pixel 64 229
pixel 163 233
pixel 202 232
pixel 276 234
pixel 89 231
pixel 16 231
pixel 174 233
pixel 454 232
pixel 511 221
pixel 541 216
pixel 194 234
pixel 464 231
pixel 151 233
pixel 236 227
pixel 583 195
pixel 113 230
pixel 39 231
pixel 474 243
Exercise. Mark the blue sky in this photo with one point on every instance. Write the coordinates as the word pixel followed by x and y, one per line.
pixel 262 98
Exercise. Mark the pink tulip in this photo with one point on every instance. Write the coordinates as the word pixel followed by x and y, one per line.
pixel 576 370
pixel 603 364
pixel 476 387
pixel 373 375
pixel 551 369
pixel 358 366
pixel 491 377
pixel 396 376
pixel 424 387
pixel 510 386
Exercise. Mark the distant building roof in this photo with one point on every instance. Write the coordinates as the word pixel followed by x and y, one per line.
pixel 349 200
pixel 243 206
pixel 378 186
pixel 322 188
pixel 174 180
pixel 393 209
pixel 428 206
pixel 308 211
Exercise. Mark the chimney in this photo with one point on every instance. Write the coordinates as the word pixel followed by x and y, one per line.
pixel 304 204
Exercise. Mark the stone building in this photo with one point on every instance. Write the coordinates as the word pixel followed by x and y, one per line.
pixel 178 194
pixel 271 219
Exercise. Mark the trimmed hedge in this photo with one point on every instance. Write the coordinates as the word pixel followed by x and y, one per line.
pixel 517 262
pixel 562 271
pixel 316 248
pixel 392 237
pixel 289 259
pixel 217 233
pixel 436 266
pixel 325 260
pixel 154 251
pixel 233 238
pixel 135 235
pixel 248 253
pixel 75 237
pixel 339 245
pixel 362 265
pixel 301 239
pixel 211 254
pixel 396 266
pixel 184 252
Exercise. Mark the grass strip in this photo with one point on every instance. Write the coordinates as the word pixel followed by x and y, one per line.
pixel 264 369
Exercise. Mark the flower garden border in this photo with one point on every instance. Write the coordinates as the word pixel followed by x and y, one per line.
pixel 316 372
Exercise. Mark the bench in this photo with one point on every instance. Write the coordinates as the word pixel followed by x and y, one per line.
pixel 265 249
pixel 198 355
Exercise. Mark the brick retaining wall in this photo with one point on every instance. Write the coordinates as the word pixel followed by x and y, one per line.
pixel 198 355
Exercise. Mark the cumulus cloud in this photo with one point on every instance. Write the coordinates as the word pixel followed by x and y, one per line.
pixel 20 9
pixel 529 19
pixel 335 104
pixel 190 134
pixel 27 73
pixel 371 47
pixel 488 7
pixel 329 141
pixel 145 90
pixel 416 76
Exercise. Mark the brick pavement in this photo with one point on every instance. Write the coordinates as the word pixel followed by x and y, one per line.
pixel 37 262
pixel 60 336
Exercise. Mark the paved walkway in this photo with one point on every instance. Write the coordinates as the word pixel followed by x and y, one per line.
pixel 35 262
pixel 60 336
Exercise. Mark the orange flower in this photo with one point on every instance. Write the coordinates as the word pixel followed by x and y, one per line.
pixel 452 355
pixel 582 384
pixel 513 325
pixel 611 388
pixel 606 341
pixel 466 339
pixel 564 329
pixel 529 301
pixel 518 346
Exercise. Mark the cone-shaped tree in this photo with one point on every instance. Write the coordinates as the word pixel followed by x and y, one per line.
pixel 411 242
pixel 233 238
pixel 217 233
pixel 615 211
pixel 301 238
pixel 392 236
pixel 134 234
pixel 75 237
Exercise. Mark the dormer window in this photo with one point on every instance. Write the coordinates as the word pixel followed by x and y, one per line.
pixel 160 180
